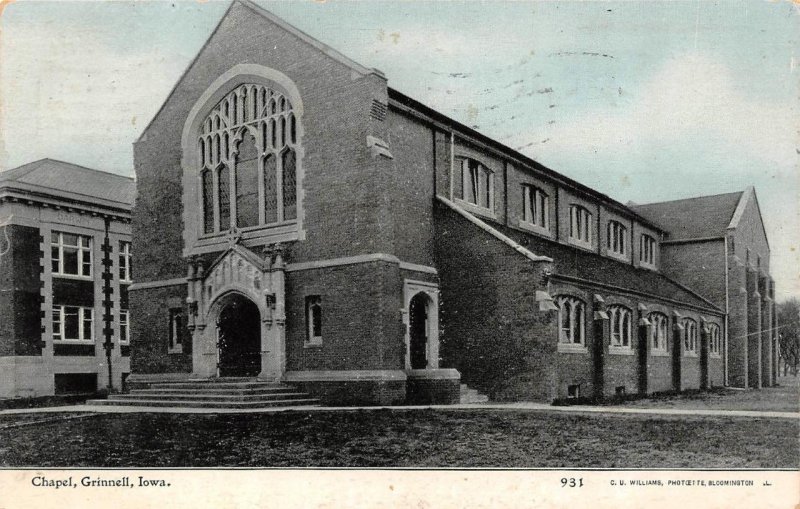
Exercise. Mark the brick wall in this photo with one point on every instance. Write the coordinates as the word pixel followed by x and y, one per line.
pixel 150 331
pixel 361 321
pixel 699 266
pixel 20 309
pixel 492 330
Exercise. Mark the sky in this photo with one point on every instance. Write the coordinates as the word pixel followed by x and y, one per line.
pixel 643 101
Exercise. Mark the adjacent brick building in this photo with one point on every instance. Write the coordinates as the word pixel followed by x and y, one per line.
pixel 65 265
pixel 299 220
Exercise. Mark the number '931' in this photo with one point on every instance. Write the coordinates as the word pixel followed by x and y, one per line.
pixel 571 482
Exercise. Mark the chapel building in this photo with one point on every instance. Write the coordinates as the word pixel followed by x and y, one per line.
pixel 300 221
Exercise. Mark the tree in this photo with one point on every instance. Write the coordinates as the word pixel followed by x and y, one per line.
pixel 789 334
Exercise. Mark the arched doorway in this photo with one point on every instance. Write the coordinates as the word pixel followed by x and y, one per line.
pixel 419 330
pixel 239 337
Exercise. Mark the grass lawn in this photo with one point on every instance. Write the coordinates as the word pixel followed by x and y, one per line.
pixel 405 438
pixel 785 398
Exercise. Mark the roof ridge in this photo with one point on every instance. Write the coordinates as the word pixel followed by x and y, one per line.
pixel 687 199
pixel 104 172
pixel 33 165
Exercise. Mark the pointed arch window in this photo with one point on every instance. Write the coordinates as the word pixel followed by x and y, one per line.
pixel 689 337
pixel 658 333
pixel 620 321
pixel 714 340
pixel 572 322
pixel 248 161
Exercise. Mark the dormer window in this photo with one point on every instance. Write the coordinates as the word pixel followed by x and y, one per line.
pixel 616 239
pixel 477 184
pixel 580 225
pixel 647 250
pixel 535 207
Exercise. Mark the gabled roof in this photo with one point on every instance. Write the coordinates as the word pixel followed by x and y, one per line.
pixel 66 180
pixel 694 218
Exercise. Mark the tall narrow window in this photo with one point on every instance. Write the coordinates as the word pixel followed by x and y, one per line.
pixel 224 199
pixel 572 320
pixel 535 206
pixel 689 337
pixel 71 254
pixel 176 325
pixel 247 182
pixel 208 202
pixel 270 189
pixel 616 238
pixel 580 224
pixel 658 332
pixel 714 340
pixel 289 163
pixel 314 319
pixel 477 184
pixel 647 249
pixel 124 327
pixel 620 321
pixel 125 259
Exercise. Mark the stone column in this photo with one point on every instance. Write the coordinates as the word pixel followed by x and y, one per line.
pixel 273 336
pixel 766 331
pixel 737 324
pixel 753 330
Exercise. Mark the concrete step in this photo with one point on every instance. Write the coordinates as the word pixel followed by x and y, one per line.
pixel 167 403
pixel 230 391
pixel 471 396
pixel 217 385
pixel 210 397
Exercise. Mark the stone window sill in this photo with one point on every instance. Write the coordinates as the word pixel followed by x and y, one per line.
pixel 659 353
pixel 623 257
pixel 620 350
pixel 73 341
pixel 476 209
pixel 689 354
pixel 580 243
pixel 535 228
pixel 572 348
pixel 317 343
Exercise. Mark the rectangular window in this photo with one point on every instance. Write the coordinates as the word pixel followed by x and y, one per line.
pixel 580 224
pixel 535 207
pixel 125 270
pixel 71 254
pixel 73 323
pixel 314 320
pixel 647 249
pixel 176 327
pixel 124 328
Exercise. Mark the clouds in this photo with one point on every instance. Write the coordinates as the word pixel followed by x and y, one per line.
pixel 68 94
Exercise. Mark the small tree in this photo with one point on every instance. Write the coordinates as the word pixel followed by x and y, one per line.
pixel 789 334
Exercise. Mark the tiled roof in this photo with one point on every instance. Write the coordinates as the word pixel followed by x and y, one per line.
pixel 692 218
pixel 573 262
pixel 62 178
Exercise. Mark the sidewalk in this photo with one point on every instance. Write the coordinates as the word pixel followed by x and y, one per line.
pixel 516 407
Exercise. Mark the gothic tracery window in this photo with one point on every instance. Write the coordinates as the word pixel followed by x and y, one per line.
pixel 248 160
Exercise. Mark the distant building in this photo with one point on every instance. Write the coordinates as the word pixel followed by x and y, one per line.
pixel 300 221
pixel 65 267
pixel 718 246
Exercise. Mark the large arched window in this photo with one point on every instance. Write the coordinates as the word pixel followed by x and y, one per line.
pixel 572 321
pixel 249 139
pixel 620 320
pixel 658 332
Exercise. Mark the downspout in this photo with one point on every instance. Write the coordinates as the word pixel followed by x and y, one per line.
pixel 452 162
pixel 107 292
pixel 726 309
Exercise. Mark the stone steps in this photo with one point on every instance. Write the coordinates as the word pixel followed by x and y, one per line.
pixel 471 396
pixel 224 393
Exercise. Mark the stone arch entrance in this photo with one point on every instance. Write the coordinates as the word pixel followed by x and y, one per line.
pixel 421 318
pixel 238 329
pixel 419 330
